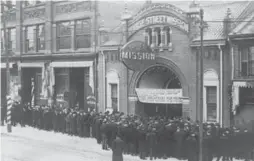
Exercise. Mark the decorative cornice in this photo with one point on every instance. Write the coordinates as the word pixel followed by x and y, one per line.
pixel 73 7
pixel 36 13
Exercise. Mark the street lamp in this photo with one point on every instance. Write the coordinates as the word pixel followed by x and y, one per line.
pixel 201 71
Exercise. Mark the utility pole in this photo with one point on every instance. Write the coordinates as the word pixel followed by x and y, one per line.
pixel 201 86
pixel 6 50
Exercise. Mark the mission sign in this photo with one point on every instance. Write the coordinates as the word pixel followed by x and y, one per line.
pixel 136 55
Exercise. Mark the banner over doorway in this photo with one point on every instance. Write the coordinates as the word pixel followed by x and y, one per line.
pixel 161 96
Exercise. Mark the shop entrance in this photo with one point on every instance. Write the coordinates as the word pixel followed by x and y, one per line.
pixel 160 77
pixel 72 86
pixel 77 87
pixel 27 74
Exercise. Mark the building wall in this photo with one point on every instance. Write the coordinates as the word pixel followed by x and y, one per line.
pixel 49 13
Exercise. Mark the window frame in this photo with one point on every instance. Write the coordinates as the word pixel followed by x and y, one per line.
pixel 88 34
pixel 10 43
pixel 58 36
pixel 38 38
pixel 114 100
pixel 249 60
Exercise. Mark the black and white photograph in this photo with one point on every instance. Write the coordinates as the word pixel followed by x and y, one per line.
pixel 127 80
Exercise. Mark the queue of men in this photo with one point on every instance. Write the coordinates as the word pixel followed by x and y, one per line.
pixel 153 137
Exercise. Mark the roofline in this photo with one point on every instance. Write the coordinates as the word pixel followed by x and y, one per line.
pixel 241 35
pixel 209 43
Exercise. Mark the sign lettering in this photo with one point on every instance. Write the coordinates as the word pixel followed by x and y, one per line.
pixel 136 55
pixel 161 96
pixel 160 19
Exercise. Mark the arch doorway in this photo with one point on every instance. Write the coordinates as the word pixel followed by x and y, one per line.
pixel 159 78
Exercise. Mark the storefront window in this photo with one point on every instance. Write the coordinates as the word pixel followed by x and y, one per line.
pixel 211 103
pixel 64 35
pixel 246 96
pixel 83 34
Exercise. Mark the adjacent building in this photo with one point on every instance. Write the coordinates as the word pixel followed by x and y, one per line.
pixel 149 64
pixel 53 44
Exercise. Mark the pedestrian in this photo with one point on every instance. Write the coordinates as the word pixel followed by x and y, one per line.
pixel 117 148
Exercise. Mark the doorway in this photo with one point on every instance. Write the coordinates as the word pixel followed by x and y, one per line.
pixel 77 86
pixel 26 84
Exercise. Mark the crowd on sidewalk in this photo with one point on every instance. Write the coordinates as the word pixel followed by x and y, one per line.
pixel 153 137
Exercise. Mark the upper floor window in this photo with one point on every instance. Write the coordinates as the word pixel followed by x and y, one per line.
pixel 12 39
pixel 158 37
pixel 30 38
pixel 2 41
pixel 247 61
pixel 82 30
pixel 41 37
pixel 64 35
pixel 35 38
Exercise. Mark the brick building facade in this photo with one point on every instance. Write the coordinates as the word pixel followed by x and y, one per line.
pixel 173 35
pixel 53 44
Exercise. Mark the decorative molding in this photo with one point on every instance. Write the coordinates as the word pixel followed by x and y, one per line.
pixel 73 7
pixel 11 16
pixel 32 14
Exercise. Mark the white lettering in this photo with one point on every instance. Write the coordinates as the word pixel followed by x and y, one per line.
pixel 160 19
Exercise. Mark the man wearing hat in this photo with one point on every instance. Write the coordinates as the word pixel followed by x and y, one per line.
pixel 117 148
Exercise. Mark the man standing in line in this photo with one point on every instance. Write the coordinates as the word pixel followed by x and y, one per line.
pixel 117 148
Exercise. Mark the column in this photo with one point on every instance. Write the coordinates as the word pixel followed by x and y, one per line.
pixel 146 38
pixel 170 48
pixel 162 37
pixel 153 38
pixel 54 35
pixel 19 27
pixel 35 39
pixel 49 36
pixel 157 37
pixel 73 36
pixel 24 40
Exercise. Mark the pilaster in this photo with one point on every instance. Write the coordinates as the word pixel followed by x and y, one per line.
pixel 24 43
pixel 73 44
pixel 18 28
pixel 153 37
pixel 54 38
pixel 49 37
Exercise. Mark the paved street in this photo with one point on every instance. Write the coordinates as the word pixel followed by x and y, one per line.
pixel 28 144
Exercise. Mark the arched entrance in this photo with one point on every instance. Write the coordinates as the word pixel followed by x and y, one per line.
pixel 159 78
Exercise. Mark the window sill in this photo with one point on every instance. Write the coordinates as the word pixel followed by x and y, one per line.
pixel 34 52
pixel 162 48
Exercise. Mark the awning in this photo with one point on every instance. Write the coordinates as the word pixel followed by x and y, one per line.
pixel 3 65
pixel 247 84
pixel 72 64
pixel 161 96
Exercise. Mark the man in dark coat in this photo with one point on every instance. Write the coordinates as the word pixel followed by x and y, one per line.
pixel 117 148
pixel 151 139
pixel 180 136
pixel 97 130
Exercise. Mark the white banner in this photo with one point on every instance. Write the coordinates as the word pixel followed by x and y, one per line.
pixel 161 96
